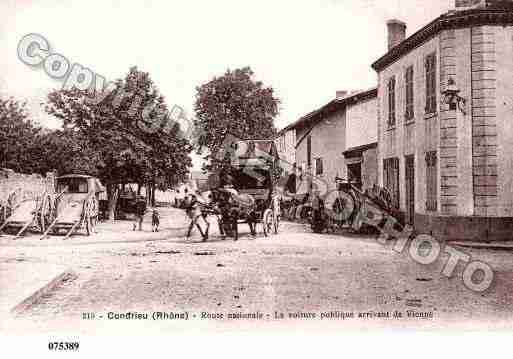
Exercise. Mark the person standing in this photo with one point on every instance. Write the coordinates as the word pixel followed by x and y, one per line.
pixel 194 212
pixel 140 210
pixel 155 220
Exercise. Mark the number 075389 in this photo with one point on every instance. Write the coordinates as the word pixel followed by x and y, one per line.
pixel 63 346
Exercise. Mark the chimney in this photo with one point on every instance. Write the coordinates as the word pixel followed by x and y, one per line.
pixel 396 32
pixel 341 94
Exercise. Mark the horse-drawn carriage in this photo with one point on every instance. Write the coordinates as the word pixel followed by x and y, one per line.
pixel 246 194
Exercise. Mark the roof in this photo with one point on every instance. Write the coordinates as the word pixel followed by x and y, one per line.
pixel 499 13
pixel 254 152
pixel 331 107
pixel 267 146
pixel 75 176
pixel 358 150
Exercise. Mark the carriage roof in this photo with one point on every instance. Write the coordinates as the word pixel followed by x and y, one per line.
pixel 253 151
pixel 94 183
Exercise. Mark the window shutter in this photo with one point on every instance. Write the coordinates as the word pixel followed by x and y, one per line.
pixel 433 86
pixel 431 181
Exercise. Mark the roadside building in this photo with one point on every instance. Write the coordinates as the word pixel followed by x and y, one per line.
pixel 445 128
pixel 360 155
pixel 286 146
pixel 337 140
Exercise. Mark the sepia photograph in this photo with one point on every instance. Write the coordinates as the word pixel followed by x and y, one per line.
pixel 340 169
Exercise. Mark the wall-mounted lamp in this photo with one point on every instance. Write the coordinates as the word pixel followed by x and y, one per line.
pixel 452 98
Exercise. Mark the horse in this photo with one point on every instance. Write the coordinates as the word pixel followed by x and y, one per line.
pixel 232 207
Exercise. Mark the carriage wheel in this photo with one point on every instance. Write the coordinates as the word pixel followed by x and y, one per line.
pixel 267 222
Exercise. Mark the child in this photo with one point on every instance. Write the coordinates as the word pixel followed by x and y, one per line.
pixel 155 221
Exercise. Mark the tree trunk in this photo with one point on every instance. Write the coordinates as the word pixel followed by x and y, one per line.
pixel 113 200
pixel 153 194
pixel 148 193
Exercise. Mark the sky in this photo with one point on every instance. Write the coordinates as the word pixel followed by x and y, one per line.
pixel 305 49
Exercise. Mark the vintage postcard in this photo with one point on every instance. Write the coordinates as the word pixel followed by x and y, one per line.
pixel 332 167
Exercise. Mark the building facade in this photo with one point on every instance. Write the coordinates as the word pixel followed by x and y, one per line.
pixel 337 140
pixel 447 159
pixel 360 155
pixel 286 145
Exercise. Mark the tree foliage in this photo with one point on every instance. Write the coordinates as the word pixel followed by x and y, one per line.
pixel 232 105
pixel 65 151
pixel 130 130
pixel 17 137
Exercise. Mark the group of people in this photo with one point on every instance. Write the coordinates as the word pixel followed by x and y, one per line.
pixel 140 211
pixel 193 209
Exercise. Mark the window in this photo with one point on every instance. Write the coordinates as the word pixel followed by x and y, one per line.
pixel 431 181
pixel 391 178
pixel 431 83
pixel 318 167
pixel 391 101
pixel 409 114
pixel 354 174
pixel 72 185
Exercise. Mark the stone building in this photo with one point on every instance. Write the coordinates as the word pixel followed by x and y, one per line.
pixel 445 128
pixel 337 140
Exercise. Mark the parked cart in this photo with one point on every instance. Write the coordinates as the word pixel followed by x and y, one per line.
pixel 343 208
pixel 29 212
pixel 76 206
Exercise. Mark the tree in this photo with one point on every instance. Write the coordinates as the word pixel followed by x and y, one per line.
pixel 17 137
pixel 236 105
pixel 65 151
pixel 130 129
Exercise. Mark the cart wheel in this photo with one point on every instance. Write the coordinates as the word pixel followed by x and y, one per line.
pixel 267 222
